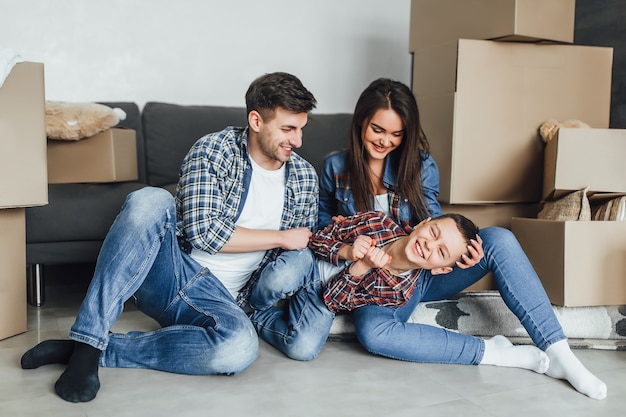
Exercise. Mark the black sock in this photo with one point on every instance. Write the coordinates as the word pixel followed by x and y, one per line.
pixel 79 382
pixel 48 352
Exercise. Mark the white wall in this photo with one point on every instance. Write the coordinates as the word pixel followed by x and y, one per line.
pixel 207 51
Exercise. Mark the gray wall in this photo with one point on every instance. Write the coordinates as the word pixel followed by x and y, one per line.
pixel 603 23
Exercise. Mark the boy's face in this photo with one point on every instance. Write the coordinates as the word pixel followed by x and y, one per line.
pixel 436 245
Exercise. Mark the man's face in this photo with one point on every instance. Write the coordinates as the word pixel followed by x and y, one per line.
pixel 435 244
pixel 277 137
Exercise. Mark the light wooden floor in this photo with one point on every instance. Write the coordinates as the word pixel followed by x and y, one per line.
pixel 343 381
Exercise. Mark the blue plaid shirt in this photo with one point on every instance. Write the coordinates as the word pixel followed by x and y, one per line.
pixel 212 189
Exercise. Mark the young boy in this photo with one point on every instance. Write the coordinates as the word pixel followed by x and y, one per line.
pixel 382 260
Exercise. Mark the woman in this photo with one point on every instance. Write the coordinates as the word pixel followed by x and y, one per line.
pixel 387 155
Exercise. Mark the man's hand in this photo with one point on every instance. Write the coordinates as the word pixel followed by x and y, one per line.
pixel 294 239
pixel 476 253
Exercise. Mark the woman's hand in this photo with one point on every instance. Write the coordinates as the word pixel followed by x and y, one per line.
pixel 338 218
pixel 476 253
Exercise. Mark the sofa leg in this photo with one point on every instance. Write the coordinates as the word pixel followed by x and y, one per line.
pixel 35 285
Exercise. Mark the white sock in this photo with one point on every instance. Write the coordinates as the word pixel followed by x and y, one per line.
pixel 499 351
pixel 565 365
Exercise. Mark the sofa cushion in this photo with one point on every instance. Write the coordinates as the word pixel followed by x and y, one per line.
pixel 323 134
pixel 171 129
pixel 77 212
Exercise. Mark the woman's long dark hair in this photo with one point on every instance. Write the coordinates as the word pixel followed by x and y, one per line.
pixel 383 94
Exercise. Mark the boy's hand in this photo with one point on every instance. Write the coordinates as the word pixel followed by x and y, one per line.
pixel 359 248
pixel 376 257
pixel 476 254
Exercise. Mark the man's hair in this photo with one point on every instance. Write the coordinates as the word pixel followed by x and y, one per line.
pixel 278 89
pixel 468 229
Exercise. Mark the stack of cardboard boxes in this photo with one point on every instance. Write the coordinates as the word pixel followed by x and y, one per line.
pixel 581 263
pixel 486 75
pixel 23 183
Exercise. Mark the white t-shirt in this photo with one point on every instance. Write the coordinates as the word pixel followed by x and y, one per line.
pixel 328 270
pixel 263 209
pixel 381 203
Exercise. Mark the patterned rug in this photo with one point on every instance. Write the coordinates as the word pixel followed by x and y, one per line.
pixel 485 314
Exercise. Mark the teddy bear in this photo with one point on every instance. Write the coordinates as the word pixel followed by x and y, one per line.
pixel 74 121
pixel 549 128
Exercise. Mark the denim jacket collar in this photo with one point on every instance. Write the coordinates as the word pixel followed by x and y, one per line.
pixel 390 174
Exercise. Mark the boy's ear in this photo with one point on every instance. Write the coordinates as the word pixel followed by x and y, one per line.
pixel 441 271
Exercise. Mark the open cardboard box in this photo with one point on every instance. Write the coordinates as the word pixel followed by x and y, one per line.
pixel 481 103
pixel 436 21
pixel 580 158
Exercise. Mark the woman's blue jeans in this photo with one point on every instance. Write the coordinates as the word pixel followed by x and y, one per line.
pixel 289 311
pixel 203 330
pixel 385 331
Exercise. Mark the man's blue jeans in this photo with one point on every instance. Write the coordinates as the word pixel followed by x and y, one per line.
pixel 300 325
pixel 385 331
pixel 203 330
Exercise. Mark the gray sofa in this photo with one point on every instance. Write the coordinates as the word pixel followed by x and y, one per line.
pixel 71 228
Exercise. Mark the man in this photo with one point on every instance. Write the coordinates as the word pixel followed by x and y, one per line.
pixel 243 202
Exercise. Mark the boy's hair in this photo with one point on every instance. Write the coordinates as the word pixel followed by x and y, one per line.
pixel 278 89
pixel 468 229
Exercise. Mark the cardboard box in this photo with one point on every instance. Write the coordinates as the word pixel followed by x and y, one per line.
pixel 487 215
pixel 23 173
pixel 580 263
pixel 12 272
pixel 482 102
pixel 108 156
pixel 486 283
pixel 579 158
pixel 437 21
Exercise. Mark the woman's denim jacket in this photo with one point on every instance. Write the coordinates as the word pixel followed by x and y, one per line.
pixel 337 198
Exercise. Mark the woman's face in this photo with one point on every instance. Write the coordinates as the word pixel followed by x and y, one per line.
pixel 382 133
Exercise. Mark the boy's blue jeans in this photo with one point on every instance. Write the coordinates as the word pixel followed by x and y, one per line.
pixel 203 330
pixel 385 331
pixel 300 325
